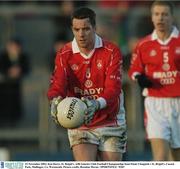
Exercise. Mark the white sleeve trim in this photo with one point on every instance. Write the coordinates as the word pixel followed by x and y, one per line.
pixel 145 92
pixel 102 102
pixel 134 74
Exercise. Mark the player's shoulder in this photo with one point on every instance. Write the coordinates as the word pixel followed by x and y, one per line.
pixel 66 49
pixel 178 37
pixel 110 46
pixel 144 40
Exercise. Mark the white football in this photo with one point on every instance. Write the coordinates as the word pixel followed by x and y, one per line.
pixel 70 112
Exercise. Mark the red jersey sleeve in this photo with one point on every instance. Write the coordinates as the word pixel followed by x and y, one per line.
pixel 58 80
pixel 113 84
pixel 136 66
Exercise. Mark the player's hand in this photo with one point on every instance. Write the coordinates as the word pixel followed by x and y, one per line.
pixel 92 107
pixel 143 81
pixel 54 103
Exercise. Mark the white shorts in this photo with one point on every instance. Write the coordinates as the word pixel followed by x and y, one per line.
pixel 112 139
pixel 163 119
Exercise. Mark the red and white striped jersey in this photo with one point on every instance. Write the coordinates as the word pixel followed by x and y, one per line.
pixel 160 62
pixel 98 76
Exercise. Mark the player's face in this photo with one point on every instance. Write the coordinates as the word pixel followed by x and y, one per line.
pixel 162 18
pixel 84 33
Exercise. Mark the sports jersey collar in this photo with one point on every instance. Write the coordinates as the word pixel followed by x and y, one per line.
pixel 174 34
pixel 98 44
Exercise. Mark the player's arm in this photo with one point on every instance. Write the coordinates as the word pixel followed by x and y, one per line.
pixel 137 70
pixel 113 80
pixel 136 66
pixel 58 81
pixel 57 89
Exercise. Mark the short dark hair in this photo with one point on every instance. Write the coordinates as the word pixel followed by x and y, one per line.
pixel 165 3
pixel 17 40
pixel 83 13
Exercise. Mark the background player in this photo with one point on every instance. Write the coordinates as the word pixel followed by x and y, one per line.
pixel 155 66
pixel 90 67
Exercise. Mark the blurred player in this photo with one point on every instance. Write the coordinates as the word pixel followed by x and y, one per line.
pixel 90 67
pixel 155 66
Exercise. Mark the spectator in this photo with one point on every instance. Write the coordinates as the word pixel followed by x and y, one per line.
pixel 14 65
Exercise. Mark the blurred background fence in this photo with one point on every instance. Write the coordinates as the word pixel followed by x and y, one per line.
pixel 38 24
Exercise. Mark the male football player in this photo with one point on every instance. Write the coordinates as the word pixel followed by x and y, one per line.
pixel 155 65
pixel 90 68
